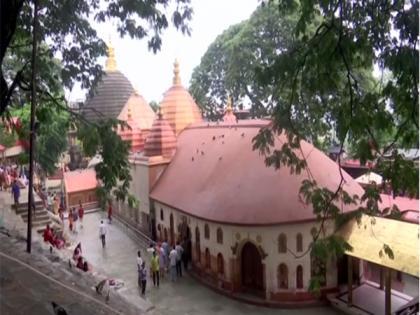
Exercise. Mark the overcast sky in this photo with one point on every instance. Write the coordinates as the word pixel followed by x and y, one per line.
pixel 152 74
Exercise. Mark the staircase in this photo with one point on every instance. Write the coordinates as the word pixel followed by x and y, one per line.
pixel 39 220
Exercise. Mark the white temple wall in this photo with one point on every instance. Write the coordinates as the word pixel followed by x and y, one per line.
pixel 265 236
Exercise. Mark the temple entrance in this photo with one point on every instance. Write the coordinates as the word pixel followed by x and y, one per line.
pixel 252 270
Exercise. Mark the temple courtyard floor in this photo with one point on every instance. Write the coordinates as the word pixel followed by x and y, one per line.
pixel 186 296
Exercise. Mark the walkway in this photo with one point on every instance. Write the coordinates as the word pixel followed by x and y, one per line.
pixel 187 296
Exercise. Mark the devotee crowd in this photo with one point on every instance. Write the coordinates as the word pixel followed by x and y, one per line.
pixel 164 260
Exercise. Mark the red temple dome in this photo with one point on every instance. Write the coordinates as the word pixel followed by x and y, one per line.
pixel 161 140
pixel 132 134
pixel 178 106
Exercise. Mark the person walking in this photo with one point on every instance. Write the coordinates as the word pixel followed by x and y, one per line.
pixel 155 268
pixel 70 218
pixel 143 278
pixel 139 260
pixel 16 193
pixel 102 232
pixel 75 218
pixel 179 252
pixel 162 261
pixel 172 261
pixel 81 213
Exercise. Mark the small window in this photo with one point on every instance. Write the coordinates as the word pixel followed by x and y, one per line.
pixel 299 242
pixel 282 277
pixel 219 236
pixel 206 231
pixel 161 214
pixel 299 277
pixel 282 243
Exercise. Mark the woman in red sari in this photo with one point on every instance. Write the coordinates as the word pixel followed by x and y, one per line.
pixel 110 211
pixel 48 236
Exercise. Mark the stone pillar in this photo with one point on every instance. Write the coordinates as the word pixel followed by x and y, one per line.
pixel 381 277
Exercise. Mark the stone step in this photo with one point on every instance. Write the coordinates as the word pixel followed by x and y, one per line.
pixel 23 211
pixel 24 205
pixel 37 213
pixel 37 218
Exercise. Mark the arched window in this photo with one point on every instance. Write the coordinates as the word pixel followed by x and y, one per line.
pixel 197 244
pixel 206 231
pixel 282 243
pixel 220 264
pixel 161 214
pixel 219 236
pixel 208 259
pixel 299 242
pixel 282 276
pixel 299 277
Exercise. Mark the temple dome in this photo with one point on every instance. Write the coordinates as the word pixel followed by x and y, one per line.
pixel 224 180
pixel 178 106
pixel 111 93
pixel 133 135
pixel 141 112
pixel 161 140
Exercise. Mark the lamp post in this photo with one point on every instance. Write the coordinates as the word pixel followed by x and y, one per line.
pixel 31 198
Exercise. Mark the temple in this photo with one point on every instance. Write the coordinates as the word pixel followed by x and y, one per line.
pixel 201 182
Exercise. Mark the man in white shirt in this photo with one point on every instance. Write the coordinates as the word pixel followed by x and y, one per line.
pixel 102 233
pixel 172 262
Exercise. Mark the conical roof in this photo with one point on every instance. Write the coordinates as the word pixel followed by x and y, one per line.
pixel 161 140
pixel 133 135
pixel 141 112
pixel 178 106
pixel 111 93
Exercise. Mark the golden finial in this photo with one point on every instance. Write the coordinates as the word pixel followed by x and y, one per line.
pixel 111 63
pixel 177 78
pixel 229 104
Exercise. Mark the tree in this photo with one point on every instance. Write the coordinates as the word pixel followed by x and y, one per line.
pixel 65 32
pixel 50 142
pixel 347 36
pixel 228 66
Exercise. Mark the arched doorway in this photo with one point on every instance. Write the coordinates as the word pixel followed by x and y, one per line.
pixel 252 269
pixel 171 229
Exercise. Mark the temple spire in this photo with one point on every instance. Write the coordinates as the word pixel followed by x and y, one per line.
pixel 177 78
pixel 111 63
pixel 229 104
pixel 160 112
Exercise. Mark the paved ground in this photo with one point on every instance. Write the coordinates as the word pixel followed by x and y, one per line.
pixel 187 296
pixel 29 282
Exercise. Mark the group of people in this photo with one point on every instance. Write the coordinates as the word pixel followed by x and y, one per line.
pixel 81 263
pixel 53 238
pixel 75 216
pixel 164 259
pixel 11 173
